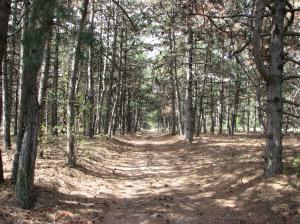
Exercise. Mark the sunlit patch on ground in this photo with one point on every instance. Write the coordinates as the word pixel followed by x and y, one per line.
pixel 149 178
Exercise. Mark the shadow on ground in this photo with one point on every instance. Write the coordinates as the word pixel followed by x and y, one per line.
pixel 149 179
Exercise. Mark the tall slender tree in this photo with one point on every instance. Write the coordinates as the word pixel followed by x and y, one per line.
pixel 272 74
pixel 21 106
pixel 35 38
pixel 90 90
pixel 189 109
pixel 4 17
pixel 71 157
pixel 54 100
pixel 6 101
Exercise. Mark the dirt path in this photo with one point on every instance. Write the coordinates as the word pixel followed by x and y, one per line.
pixel 153 179
pixel 153 172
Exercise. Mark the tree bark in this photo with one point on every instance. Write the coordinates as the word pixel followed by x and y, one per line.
pixel 110 79
pixel 7 84
pixel 235 106
pixel 273 151
pixel 172 81
pixel 43 86
pixel 102 89
pixel 221 112
pixel 201 109
pixel 128 113
pixel 272 75
pixel 260 114
pixel 43 83
pixel 123 126
pixel 177 91
pixel 71 157
pixel 6 103
pixel 4 17
pixel 54 103
pixel 173 100
pixel 228 109
pixel 90 90
pixel 189 120
pixel 137 116
pixel 112 120
pixel 1 169
pixel 248 107
pixel 35 37
pixel 212 117
pixel 120 84
pixel 16 105
pixel 22 101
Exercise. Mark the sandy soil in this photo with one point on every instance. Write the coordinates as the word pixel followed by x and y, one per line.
pixel 157 179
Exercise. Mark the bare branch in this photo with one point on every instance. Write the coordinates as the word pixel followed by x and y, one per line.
pixel 126 14
pixel 290 114
pixel 290 103
pixel 291 77
pixel 292 60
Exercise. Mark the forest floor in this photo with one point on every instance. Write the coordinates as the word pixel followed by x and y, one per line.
pixel 157 179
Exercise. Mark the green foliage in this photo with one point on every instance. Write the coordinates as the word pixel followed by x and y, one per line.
pixel 296 161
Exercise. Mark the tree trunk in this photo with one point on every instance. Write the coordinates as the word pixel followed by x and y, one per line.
pixel 16 105
pixel 137 116
pixel 71 157
pixel 189 120
pixel 128 114
pixel 54 103
pixel 228 109
pixel 1 163
pixel 172 82
pixel 43 85
pixel 212 118
pixel 201 109
pixel 236 106
pixel 25 178
pixel 124 87
pixel 120 85
pixel 110 78
pixel 22 101
pixel 178 102
pixel 6 103
pixel 272 75
pixel 260 114
pixel 34 44
pixel 90 90
pixel 177 91
pixel 112 120
pixel 102 82
pixel 1 169
pixel 255 114
pixel 248 107
pixel 173 100
pixel 13 65
pixel 7 84
pixel 4 17
pixel 204 121
pixel 273 152
pixel 99 99
pixel 221 112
